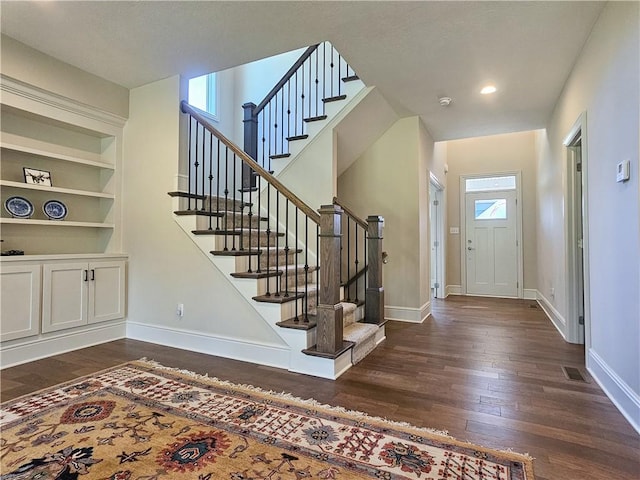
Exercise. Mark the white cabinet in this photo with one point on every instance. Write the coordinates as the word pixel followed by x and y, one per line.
pixel 20 288
pixel 81 293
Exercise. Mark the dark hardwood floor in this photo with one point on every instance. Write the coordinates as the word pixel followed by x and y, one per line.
pixel 486 370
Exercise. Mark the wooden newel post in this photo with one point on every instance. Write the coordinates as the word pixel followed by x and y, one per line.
pixel 329 320
pixel 250 143
pixel 374 295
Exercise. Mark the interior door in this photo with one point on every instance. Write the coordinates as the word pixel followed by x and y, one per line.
pixel 491 243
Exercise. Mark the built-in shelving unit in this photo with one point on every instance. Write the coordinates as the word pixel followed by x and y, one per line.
pixel 83 162
pixel 69 288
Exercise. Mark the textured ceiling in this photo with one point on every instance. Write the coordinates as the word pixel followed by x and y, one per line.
pixel 413 51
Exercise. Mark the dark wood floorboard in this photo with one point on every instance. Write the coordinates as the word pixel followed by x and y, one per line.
pixel 486 370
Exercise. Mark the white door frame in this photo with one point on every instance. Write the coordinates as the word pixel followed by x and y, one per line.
pixel 463 223
pixel 435 184
pixel 574 331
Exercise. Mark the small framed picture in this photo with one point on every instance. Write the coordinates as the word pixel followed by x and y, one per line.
pixel 37 177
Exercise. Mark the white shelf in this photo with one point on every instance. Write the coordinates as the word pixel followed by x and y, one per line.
pixel 54 223
pixel 67 191
pixel 18 143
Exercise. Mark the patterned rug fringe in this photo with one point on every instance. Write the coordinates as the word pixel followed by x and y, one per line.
pixel 314 403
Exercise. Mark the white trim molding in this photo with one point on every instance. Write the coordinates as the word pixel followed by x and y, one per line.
pixel 453 290
pixel 407 314
pixel 29 92
pixel 554 315
pixel 621 394
pixel 261 353
pixel 60 342
pixel 530 294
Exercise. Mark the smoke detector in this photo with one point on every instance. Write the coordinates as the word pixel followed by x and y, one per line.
pixel 445 101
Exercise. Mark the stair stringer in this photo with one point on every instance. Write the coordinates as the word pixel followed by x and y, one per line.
pixel 296 340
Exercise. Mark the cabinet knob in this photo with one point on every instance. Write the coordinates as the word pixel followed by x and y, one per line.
pixel 93 274
pixel 86 275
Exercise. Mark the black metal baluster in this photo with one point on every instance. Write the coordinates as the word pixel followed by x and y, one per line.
pixel 355 227
pixel 302 100
pixel 269 133
pixel 268 235
pixel 306 269
pixel 332 70
pixel 286 249
pixel 317 268
pixel 204 138
pixel 210 179
pixel 295 246
pixel 324 76
pixel 310 81
pixel 226 196
pixel 317 85
pixel 282 132
pixel 196 165
pixel 189 167
pixel 275 241
pixel 263 140
pixel 339 82
pixel 288 113
pixel 259 210
pixel 233 223
pixel 348 292
pixel 218 190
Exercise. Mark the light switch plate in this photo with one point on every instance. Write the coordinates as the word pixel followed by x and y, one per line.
pixel 454 230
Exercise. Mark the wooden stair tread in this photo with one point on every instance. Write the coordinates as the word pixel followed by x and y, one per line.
pixel 186 195
pixel 297 137
pixel 337 98
pixel 315 119
pixel 236 232
pixel 241 253
pixel 279 155
pixel 299 324
pixel 350 78
pixel 282 269
pixel 346 345
pixel 279 298
pixel 201 213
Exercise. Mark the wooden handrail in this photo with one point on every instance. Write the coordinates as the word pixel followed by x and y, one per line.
pixel 349 212
pixel 293 198
pixel 307 53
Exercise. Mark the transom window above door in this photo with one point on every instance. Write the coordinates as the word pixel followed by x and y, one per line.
pixel 487 184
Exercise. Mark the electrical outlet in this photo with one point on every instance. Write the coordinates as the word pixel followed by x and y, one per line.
pixel 180 310
pixel 553 292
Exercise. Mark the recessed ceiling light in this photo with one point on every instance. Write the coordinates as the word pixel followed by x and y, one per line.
pixel 488 89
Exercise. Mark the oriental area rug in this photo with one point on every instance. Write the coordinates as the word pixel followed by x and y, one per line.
pixel 143 421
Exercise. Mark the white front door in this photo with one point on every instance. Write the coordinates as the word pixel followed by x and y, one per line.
pixel 491 243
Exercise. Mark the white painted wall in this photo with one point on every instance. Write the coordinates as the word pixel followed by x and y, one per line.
pixel 604 83
pixel 21 62
pixel 165 266
pixel 386 180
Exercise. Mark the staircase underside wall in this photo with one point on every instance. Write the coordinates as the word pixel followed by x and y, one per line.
pixel 165 267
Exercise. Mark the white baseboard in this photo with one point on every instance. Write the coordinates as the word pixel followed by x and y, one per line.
pixel 556 318
pixel 530 294
pixel 263 354
pixel 407 314
pixel 622 396
pixel 453 290
pixel 60 342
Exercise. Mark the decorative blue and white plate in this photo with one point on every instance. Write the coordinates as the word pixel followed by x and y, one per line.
pixel 18 207
pixel 55 209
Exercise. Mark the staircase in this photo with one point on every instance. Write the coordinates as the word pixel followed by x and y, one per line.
pixel 318 287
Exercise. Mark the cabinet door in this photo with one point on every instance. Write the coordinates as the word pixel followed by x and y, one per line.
pixel 20 306
pixel 107 291
pixel 64 296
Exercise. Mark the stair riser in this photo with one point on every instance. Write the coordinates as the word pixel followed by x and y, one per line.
pixel 220 204
pixel 234 241
pixel 277 284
